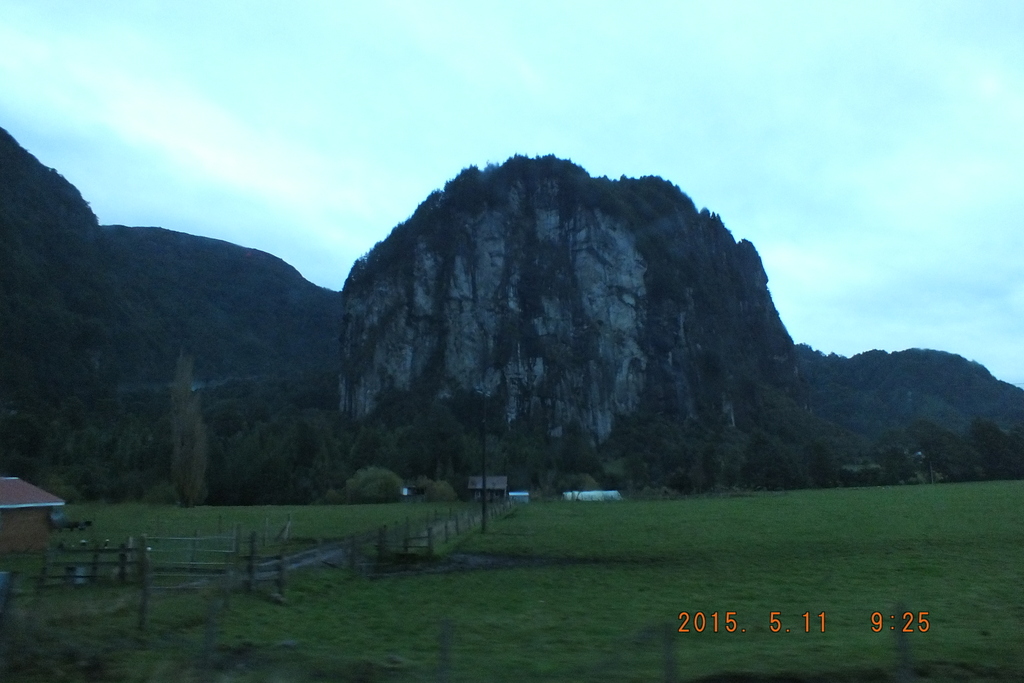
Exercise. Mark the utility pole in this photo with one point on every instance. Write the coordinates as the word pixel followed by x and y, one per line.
pixel 483 468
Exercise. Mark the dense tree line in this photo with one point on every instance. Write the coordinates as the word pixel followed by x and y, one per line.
pixel 285 442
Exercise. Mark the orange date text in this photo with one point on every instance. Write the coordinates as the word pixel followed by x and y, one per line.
pixel 728 622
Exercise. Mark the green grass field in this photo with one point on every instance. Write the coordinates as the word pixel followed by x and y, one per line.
pixel 623 573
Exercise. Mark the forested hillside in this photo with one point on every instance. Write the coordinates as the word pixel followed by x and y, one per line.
pixel 92 322
pixel 55 300
pixel 90 310
pixel 241 312
pixel 876 391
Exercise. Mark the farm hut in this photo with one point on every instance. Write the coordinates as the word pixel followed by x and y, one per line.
pixel 497 487
pixel 591 495
pixel 519 496
pixel 414 493
pixel 25 512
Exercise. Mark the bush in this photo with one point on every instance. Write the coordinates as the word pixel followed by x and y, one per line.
pixel 333 497
pixel 374 485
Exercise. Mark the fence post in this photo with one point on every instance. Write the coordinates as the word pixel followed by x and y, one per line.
pixel 228 580
pixel 668 652
pixel 144 570
pixel 231 563
pixel 444 658
pixel 406 543
pixel 122 563
pixel 251 567
pixel 904 664
pixel 282 570
pixel 47 559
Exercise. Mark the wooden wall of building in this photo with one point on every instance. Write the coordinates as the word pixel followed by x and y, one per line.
pixel 24 529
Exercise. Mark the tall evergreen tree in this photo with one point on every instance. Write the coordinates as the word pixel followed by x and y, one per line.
pixel 188 434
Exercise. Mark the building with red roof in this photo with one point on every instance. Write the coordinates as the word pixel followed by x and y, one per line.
pixel 25 512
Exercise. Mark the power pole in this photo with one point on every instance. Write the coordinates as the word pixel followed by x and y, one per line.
pixel 483 468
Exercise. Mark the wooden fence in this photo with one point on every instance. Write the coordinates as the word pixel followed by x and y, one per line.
pixel 84 564
pixel 167 562
pixel 163 562
pixel 434 531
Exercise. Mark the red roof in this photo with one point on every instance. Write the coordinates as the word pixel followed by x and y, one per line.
pixel 15 493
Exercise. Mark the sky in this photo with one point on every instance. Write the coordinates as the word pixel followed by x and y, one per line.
pixel 873 152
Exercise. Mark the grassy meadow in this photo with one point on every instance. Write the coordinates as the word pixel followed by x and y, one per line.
pixel 606 606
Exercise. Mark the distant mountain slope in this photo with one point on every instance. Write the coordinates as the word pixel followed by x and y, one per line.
pixel 85 308
pixel 240 311
pixel 53 295
pixel 875 391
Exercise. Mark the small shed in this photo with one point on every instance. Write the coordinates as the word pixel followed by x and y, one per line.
pixel 519 496
pixel 592 495
pixel 25 512
pixel 497 487
pixel 414 493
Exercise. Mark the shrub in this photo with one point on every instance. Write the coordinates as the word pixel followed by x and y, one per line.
pixel 334 497
pixel 374 485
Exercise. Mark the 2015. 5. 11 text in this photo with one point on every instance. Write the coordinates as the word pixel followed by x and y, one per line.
pixel 727 622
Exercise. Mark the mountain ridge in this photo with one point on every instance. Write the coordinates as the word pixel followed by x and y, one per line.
pixel 618 334
pixel 86 308
pixel 875 391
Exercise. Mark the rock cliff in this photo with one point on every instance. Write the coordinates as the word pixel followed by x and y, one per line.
pixel 569 299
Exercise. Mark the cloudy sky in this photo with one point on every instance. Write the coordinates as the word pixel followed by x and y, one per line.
pixel 872 152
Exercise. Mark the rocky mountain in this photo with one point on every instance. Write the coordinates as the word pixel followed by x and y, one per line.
pixel 574 322
pixel 85 309
pixel 875 391
pixel 565 299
